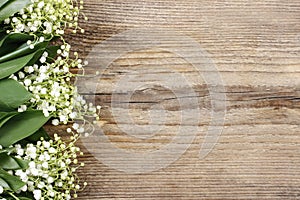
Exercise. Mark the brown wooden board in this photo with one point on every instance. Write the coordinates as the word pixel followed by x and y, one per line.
pixel 255 47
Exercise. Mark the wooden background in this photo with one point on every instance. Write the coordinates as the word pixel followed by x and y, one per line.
pixel 256 47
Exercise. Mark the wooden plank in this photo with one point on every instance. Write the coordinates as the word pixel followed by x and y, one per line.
pixel 255 46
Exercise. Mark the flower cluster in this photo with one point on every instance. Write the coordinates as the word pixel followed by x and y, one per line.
pixel 52 88
pixel 47 168
pixel 50 80
pixel 47 17
pixel 52 167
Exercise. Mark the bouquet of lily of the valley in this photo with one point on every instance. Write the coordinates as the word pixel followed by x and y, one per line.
pixel 36 86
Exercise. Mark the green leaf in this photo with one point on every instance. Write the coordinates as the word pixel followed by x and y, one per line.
pixel 4 184
pixel 7 162
pixel 52 52
pixel 21 126
pixel 23 50
pixel 2 33
pixel 37 135
pixel 5 116
pixel 15 37
pixel 13 94
pixel 19 196
pixel 12 41
pixel 11 163
pixel 36 57
pixel 3 2
pixel 14 182
pixel 12 7
pixel 12 66
pixel 22 163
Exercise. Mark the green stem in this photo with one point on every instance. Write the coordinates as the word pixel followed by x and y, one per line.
pixel 11 194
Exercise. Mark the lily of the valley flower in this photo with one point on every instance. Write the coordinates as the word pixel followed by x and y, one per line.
pixel 49 17
pixel 53 91
pixel 52 167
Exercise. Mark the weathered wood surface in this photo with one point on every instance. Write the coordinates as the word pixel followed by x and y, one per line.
pixel 256 47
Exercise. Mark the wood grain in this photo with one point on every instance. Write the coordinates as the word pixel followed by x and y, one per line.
pixel 255 46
